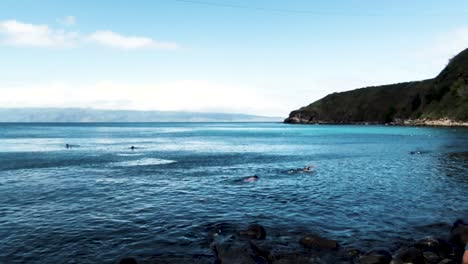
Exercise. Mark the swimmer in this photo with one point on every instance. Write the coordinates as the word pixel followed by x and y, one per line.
pixel 251 178
pixel 132 147
pixel 309 168
pixel 67 146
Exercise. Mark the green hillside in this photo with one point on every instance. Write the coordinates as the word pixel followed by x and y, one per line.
pixel 444 97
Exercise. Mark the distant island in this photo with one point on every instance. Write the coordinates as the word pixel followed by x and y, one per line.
pixel 95 115
pixel 441 101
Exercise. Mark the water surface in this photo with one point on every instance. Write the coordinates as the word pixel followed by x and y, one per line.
pixel 99 200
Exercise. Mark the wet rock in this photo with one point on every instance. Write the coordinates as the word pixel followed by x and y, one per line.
pixel 459 233
pixel 230 250
pixel 296 259
pixel 431 257
pixel 459 238
pixel 128 261
pixel 376 257
pixel 254 231
pixel 317 242
pixel 438 246
pixel 447 261
pixel 427 243
pixel 408 255
pixel 353 253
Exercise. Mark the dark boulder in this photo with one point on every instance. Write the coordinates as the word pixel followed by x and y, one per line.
pixel 431 257
pixel 317 242
pixel 254 231
pixel 435 245
pixel 409 255
pixel 447 261
pixel 459 233
pixel 459 238
pixel 353 253
pixel 231 251
pixel 376 257
pixel 128 261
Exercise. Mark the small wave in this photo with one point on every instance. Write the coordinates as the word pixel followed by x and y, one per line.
pixel 143 162
pixel 111 180
pixel 129 154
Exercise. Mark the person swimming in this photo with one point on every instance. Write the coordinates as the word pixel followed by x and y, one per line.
pixel 309 168
pixel 251 178
pixel 132 147
pixel 67 146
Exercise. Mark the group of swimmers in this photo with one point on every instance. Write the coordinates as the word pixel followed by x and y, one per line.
pixel 307 169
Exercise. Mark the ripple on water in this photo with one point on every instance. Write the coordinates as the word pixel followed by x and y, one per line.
pixel 142 162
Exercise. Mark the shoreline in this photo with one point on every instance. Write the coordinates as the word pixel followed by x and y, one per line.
pixel 255 244
pixel 445 122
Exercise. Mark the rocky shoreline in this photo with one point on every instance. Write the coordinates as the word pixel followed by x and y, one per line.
pixel 253 246
pixel 445 122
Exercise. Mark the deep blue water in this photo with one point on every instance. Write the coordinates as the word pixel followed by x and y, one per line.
pixel 99 201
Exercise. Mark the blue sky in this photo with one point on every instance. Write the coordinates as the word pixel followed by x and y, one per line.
pixel 257 56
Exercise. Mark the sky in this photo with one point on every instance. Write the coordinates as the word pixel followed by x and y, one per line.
pixel 257 56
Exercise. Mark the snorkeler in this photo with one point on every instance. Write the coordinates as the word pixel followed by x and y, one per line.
pixel 309 168
pixel 251 178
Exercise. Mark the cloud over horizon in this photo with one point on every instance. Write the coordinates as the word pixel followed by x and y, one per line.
pixel 186 95
pixel 16 33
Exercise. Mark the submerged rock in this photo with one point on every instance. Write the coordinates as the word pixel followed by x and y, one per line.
pixel 232 251
pixel 317 242
pixel 254 231
pixel 353 253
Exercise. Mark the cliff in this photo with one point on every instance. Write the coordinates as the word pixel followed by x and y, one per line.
pixel 442 100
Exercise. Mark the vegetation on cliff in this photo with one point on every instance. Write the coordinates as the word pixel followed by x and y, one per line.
pixel 444 97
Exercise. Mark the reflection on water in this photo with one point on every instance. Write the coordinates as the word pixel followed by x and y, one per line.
pixel 100 201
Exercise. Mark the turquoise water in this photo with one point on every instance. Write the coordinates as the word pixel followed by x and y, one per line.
pixel 99 200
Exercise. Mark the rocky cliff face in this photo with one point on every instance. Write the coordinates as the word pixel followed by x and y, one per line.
pixel 444 99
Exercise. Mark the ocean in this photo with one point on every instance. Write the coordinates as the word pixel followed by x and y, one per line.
pixel 98 200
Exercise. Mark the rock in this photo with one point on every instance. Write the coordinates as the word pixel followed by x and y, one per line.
pixel 233 252
pixel 447 261
pixel 293 120
pixel 254 231
pixel 409 255
pixel 459 233
pixel 353 253
pixel 128 261
pixel 316 242
pixel 230 250
pixel 438 246
pixel 376 257
pixel 431 257
pixel 296 259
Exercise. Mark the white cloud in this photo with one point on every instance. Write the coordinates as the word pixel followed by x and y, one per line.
pixel 188 95
pixel 23 34
pixel 112 39
pixel 67 20
pixel 17 33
